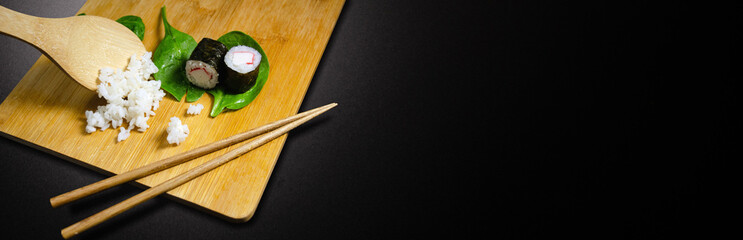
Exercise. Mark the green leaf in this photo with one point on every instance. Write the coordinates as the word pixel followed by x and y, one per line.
pixel 170 58
pixel 134 23
pixel 224 100
pixel 174 50
pixel 81 14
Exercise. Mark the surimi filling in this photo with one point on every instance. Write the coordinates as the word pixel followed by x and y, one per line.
pixel 242 57
pixel 203 71
pixel 201 74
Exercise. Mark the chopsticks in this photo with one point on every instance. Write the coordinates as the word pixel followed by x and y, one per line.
pixel 271 130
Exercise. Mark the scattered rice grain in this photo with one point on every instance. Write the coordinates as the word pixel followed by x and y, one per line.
pixel 194 109
pixel 177 132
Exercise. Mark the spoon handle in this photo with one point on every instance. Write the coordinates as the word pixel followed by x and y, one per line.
pixel 20 25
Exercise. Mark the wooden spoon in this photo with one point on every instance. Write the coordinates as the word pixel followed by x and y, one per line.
pixel 79 45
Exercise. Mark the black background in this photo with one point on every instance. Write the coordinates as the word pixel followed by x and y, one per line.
pixel 515 119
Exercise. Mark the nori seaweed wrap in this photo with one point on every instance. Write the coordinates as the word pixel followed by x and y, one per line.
pixel 242 66
pixel 202 68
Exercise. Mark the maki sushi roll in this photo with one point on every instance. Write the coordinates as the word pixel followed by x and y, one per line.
pixel 242 65
pixel 202 68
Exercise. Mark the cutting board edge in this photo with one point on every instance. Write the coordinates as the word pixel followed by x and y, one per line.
pixel 233 219
pixel 236 219
pixel 54 153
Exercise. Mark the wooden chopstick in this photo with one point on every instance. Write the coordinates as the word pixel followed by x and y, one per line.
pixel 174 182
pixel 174 160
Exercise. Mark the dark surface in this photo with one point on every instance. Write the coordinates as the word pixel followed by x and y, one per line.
pixel 515 119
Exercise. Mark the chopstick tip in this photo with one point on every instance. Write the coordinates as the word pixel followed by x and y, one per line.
pixel 328 107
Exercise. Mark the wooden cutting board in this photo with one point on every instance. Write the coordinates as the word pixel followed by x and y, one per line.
pixel 46 108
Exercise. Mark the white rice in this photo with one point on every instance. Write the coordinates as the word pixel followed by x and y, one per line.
pixel 123 134
pixel 234 60
pixel 194 110
pixel 129 95
pixel 177 132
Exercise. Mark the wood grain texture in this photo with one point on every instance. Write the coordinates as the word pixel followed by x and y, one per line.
pixel 46 108
pixel 174 160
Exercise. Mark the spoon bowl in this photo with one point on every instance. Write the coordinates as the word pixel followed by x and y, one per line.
pixel 79 45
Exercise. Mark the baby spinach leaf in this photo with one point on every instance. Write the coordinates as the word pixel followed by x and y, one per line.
pixel 134 23
pixel 170 58
pixel 223 99
pixel 175 49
